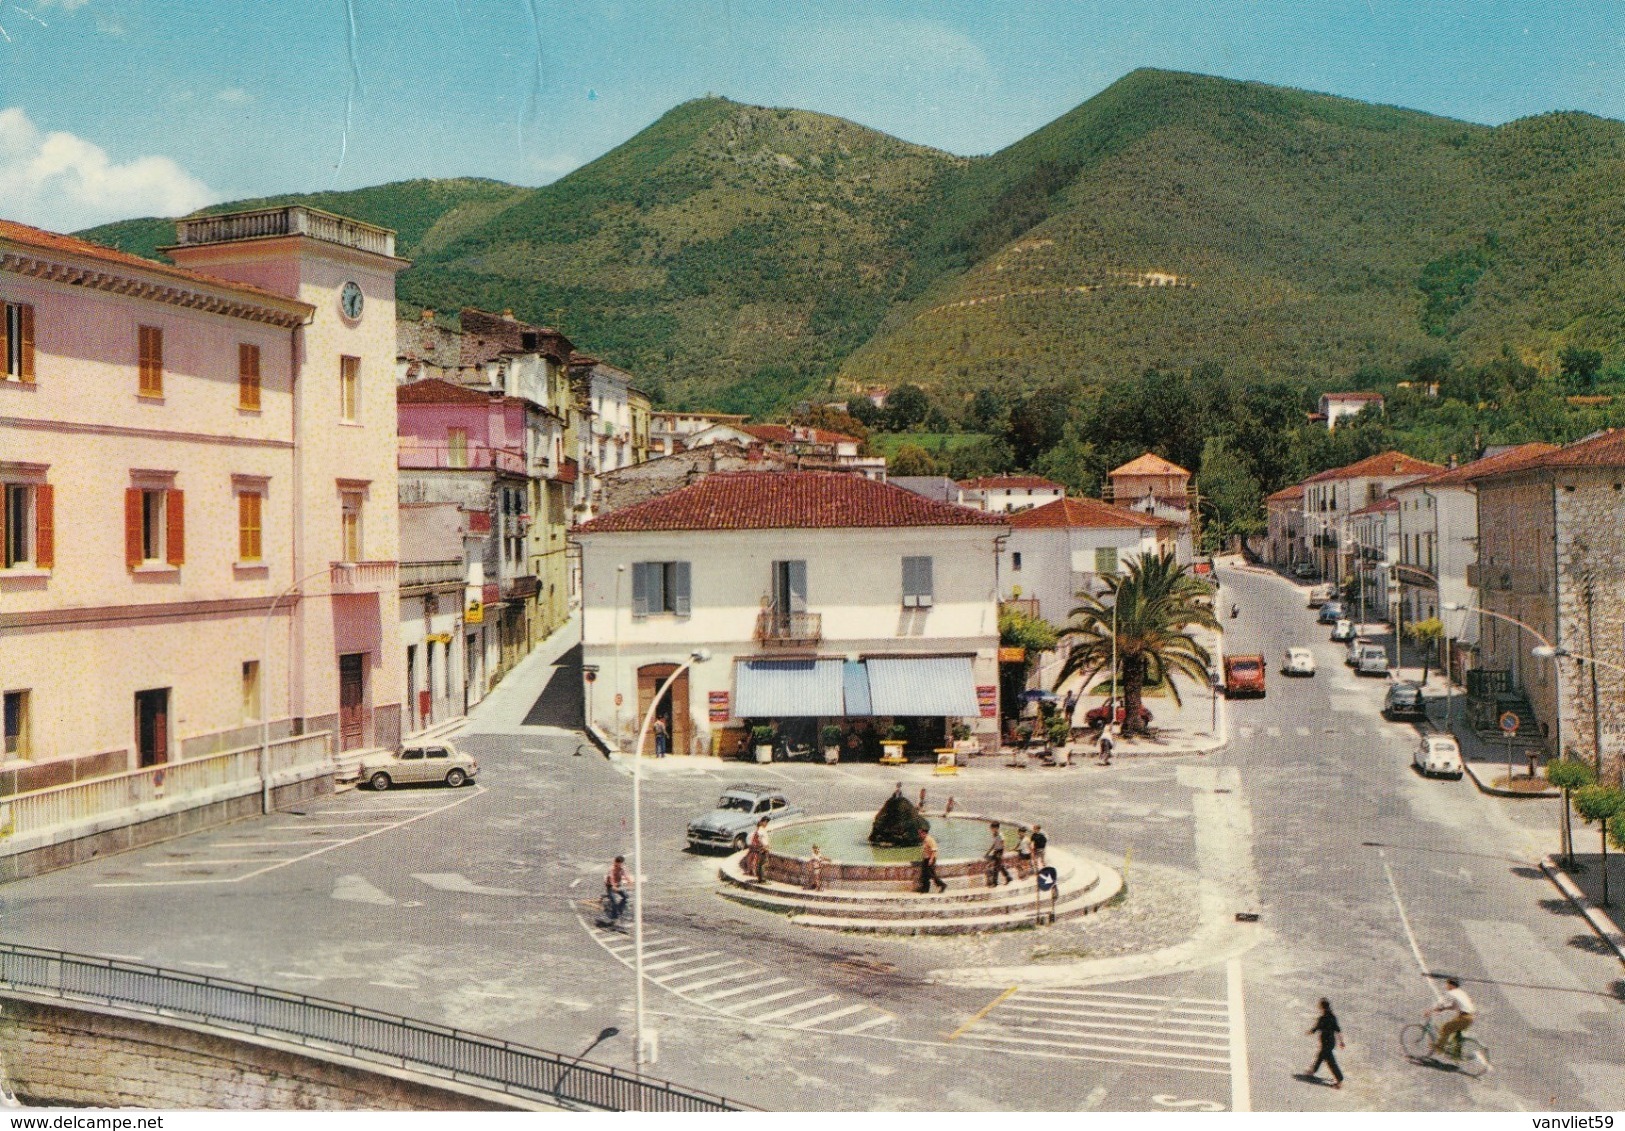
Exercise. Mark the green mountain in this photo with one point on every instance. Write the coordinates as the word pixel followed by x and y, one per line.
pixel 742 258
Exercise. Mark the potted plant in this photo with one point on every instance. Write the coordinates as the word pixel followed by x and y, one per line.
pixel 761 738
pixel 830 737
pixel 896 738
pixel 1060 733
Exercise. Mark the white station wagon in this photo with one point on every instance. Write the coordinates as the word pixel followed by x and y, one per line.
pixel 1438 754
pixel 419 762
pixel 1298 661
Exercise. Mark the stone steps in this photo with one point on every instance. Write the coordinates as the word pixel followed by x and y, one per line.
pixel 1103 892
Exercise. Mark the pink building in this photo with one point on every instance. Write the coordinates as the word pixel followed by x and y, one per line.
pixel 198 465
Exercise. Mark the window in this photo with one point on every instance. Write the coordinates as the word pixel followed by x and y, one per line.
pixel 154 526
pixel 660 587
pixel 151 361
pixel 248 376
pixel 350 527
pixel 1015 562
pixel 349 389
pixel 251 690
pixel 1106 560
pixel 250 506
pixel 17 342
pixel 16 724
pixel 789 587
pixel 26 525
pixel 917 592
pixel 457 447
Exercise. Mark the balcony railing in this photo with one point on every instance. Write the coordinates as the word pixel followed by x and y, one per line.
pixel 1025 605
pixel 472 457
pixel 414 574
pixel 363 577
pixel 289 220
pixel 789 629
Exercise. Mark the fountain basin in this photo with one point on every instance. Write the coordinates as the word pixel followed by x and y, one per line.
pixel 853 863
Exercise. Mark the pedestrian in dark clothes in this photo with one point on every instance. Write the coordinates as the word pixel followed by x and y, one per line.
pixel 928 865
pixel 1040 843
pixel 1331 1039
pixel 995 859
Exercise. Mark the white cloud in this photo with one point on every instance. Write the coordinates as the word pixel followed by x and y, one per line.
pixel 62 182
pixel 234 96
pixel 879 49
pixel 65 5
pixel 552 166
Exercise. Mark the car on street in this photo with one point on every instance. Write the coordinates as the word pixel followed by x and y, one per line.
pixel 1372 659
pixel 1305 571
pixel 1332 612
pixel 419 762
pixel 1404 701
pixel 1320 594
pixel 1298 661
pixel 728 825
pixel 1243 675
pixel 1352 656
pixel 1095 717
pixel 1343 629
pixel 1438 754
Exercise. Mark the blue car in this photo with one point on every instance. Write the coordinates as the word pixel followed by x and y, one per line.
pixel 1332 612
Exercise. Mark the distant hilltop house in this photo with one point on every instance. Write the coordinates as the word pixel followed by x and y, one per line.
pixel 812 449
pixel 1004 494
pixel 1336 406
pixel 669 432
pixel 1157 487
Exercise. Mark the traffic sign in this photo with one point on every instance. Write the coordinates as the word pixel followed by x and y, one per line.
pixel 1509 723
pixel 1047 878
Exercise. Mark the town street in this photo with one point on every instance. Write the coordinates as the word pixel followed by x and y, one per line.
pixel 474 908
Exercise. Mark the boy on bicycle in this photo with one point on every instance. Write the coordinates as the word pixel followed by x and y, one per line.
pixel 1458 1003
pixel 615 884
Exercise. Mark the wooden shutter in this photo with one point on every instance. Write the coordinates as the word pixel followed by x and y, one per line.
pixel 681 602
pixel 640 589
pixel 922 582
pixel 248 375
pixel 132 526
pixel 151 361
pixel 796 575
pixel 5 338
pixel 175 526
pixel 911 582
pixel 27 319
pixel 44 526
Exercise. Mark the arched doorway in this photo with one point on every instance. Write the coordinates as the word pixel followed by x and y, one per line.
pixel 673 708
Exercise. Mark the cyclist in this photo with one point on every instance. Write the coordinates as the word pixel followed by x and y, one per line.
pixel 615 884
pixel 1455 1002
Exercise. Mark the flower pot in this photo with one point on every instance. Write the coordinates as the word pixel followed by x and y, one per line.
pixel 832 754
pixel 764 753
pixel 893 751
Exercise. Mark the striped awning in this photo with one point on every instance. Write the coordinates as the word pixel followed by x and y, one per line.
pixel 789 688
pixel 856 679
pixel 926 685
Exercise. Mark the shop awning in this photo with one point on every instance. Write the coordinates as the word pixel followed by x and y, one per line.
pixel 857 689
pixel 927 685
pixel 788 688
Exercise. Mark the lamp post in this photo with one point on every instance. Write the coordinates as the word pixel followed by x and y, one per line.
pixel 1546 645
pixel 1549 652
pixel 265 678
pixel 698 656
pixel 1111 712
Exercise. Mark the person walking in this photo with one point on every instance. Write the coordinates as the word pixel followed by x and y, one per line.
pixel 928 865
pixel 1040 843
pixel 1024 854
pixel 995 859
pixel 662 737
pixel 1331 1039
pixel 1106 748
pixel 815 870
pixel 755 862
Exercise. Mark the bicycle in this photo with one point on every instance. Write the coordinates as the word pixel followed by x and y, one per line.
pixel 611 911
pixel 1417 1039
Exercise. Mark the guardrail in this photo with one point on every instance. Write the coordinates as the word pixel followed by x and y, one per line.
pixel 322 1025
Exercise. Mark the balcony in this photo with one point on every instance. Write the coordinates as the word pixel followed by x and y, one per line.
pixel 789 630
pixel 422 574
pixel 288 220
pixel 362 577
pixel 462 457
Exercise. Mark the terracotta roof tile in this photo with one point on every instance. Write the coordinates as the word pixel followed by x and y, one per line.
pixel 1149 464
pixel 785 434
pixel 1383 465
pixel 1287 494
pixel 1351 396
pixel 1378 507
pixel 1066 513
pixel 1605 449
pixel 787 500
pixel 1454 476
pixel 994 482
pixel 433 390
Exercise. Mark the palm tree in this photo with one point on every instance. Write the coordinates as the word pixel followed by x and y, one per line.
pixel 1154 601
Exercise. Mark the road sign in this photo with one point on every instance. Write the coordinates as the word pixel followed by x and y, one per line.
pixel 1509 723
pixel 1047 878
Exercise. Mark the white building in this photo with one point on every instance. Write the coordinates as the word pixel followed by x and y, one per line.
pixel 822 597
pixel 1064 548
pixel 1003 494
pixel 670 432
pixel 1341 406
pixel 1331 496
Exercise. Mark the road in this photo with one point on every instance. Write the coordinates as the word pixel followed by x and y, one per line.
pixel 474 908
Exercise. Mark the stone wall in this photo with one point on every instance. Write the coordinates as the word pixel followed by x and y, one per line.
pixel 59 1055
pixel 1590 505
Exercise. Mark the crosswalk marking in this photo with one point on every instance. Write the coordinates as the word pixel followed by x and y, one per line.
pixel 1246 732
pixel 743 990
pixel 1302 732
pixel 1274 732
pixel 1117 1026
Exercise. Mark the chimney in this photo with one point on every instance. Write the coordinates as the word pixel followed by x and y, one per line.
pixel 1453 463
pixel 507 315
pixel 428 317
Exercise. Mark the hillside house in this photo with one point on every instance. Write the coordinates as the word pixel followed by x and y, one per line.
pixel 1341 406
pixel 1004 494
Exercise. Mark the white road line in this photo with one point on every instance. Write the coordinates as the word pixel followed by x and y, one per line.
pixel 741 990
pixel 813 1004
pixel 1241 1088
pixel 740 1007
pixel 1137 1024
pixel 1125 1008
pixel 1404 921
pixel 1136 1039
pixel 395 985
pixel 291 974
pixel 685 990
pixel 862 1025
pixel 322 825
pixel 649 953
pixel 209 965
pixel 647 966
pixel 1109 995
pixel 1245 732
pixel 1274 732
pixel 276 843
pixel 197 863
pixel 1302 732
pixel 1174 1059
pixel 844 1012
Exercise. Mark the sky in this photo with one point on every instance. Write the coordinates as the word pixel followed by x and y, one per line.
pixel 111 109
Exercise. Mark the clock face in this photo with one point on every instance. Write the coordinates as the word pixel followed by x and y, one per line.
pixel 350 301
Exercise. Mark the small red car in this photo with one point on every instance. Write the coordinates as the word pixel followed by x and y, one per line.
pixel 1095 718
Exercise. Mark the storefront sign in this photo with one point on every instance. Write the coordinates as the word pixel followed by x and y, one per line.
pixel 1012 655
pixel 987 701
pixel 718 702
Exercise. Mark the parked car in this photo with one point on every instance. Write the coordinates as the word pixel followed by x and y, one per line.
pixel 1298 661
pixel 419 762
pixel 1243 675
pixel 1352 657
pixel 1438 754
pixel 1320 594
pixel 1372 660
pixel 1332 612
pixel 1305 571
pixel 1095 717
pixel 728 825
pixel 1404 701
pixel 1343 630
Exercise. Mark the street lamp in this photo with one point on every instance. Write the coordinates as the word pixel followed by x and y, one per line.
pixel 265 678
pixel 698 656
pixel 1549 652
pixel 1557 669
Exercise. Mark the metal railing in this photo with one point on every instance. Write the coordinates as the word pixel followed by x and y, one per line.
pixel 452 570
pixel 362 577
pixel 330 1026
pixel 103 797
pixel 773 627
pixel 286 220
